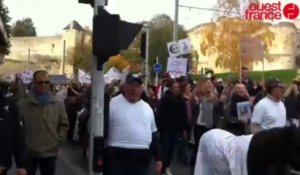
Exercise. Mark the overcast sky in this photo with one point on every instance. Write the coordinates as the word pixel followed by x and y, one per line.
pixel 50 16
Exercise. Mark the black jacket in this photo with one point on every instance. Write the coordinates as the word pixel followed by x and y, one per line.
pixel 292 104
pixel 12 137
pixel 171 113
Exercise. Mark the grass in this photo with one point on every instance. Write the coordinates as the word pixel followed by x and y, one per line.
pixel 285 76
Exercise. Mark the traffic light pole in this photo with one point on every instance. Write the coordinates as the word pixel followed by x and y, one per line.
pixel 97 103
pixel 147 72
pixel 175 25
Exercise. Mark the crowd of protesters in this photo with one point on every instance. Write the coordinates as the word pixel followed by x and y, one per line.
pixel 183 110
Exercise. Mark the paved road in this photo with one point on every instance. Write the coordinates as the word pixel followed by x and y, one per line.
pixel 70 163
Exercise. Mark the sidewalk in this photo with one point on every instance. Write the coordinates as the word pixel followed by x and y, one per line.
pixel 69 162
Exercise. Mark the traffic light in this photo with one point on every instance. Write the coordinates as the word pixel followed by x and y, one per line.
pixel 111 35
pixel 91 2
pixel 87 2
pixel 98 150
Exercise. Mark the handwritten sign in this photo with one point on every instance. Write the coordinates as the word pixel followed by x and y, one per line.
pixel 112 74
pixel 185 46
pixel 58 79
pixel 26 76
pixel 177 66
pixel 84 77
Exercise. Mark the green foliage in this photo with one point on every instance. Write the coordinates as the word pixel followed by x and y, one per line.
pixel 133 52
pixel 24 27
pixel 285 76
pixel 6 19
pixel 81 56
pixel 161 32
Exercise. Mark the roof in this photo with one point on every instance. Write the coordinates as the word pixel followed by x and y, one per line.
pixel 74 25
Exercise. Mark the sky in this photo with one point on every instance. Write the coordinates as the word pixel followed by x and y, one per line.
pixel 51 16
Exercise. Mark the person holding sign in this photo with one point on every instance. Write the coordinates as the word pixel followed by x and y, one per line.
pixel 236 122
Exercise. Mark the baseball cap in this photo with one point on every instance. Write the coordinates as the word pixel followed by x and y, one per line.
pixel 131 78
pixel 273 83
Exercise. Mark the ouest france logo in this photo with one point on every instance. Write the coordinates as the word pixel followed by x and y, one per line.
pixel 271 11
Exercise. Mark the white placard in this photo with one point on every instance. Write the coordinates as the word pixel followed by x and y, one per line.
pixel 58 79
pixel 185 46
pixel 9 78
pixel 112 74
pixel 84 77
pixel 173 49
pixel 244 110
pixel 177 66
pixel 124 74
pixel 26 76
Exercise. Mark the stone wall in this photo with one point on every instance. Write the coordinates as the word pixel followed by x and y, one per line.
pixel 283 52
pixel 284 49
pixel 45 52
pixel 39 47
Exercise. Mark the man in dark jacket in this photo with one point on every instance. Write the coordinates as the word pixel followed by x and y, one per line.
pixel 12 138
pixel 171 120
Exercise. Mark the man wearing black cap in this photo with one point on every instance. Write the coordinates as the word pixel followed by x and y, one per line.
pixel 131 132
pixel 269 112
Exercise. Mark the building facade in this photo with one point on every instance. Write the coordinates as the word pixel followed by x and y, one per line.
pixel 43 52
pixel 283 51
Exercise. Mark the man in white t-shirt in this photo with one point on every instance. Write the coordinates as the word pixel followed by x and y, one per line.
pixel 132 132
pixel 269 112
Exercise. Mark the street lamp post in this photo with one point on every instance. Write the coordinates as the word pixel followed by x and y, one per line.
pixel 147 31
pixel 175 27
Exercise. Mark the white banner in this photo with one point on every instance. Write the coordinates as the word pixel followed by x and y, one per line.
pixel 84 77
pixel 58 79
pixel 173 49
pixel 177 66
pixel 9 78
pixel 26 76
pixel 124 74
pixel 112 74
pixel 185 46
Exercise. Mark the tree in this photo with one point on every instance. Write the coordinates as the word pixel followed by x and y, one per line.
pixel 118 61
pixel 222 40
pixel 6 19
pixel 231 7
pixel 81 56
pixel 24 27
pixel 161 32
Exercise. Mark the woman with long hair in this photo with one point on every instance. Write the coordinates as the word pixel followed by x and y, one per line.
pixel 204 97
pixel 292 103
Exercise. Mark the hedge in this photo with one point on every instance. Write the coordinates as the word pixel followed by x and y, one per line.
pixel 285 76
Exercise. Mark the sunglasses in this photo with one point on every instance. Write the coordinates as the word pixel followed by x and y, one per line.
pixel 43 82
